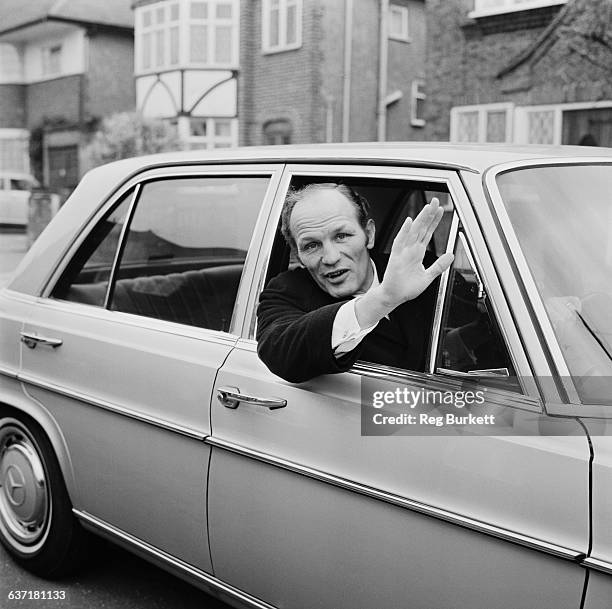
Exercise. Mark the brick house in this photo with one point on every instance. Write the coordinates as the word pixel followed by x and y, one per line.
pixel 253 72
pixel 525 71
pixel 63 66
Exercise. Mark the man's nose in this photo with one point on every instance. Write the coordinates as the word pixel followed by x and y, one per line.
pixel 331 254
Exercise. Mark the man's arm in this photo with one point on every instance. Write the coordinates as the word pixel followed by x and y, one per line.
pixel 405 277
pixel 295 343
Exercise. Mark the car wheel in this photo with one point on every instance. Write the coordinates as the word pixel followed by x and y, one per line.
pixel 37 526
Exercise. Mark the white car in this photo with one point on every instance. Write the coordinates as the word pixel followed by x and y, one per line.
pixel 133 403
pixel 15 190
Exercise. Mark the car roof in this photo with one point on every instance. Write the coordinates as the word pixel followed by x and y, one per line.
pixel 471 157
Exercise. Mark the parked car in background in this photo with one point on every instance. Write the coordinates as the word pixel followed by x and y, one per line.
pixel 15 190
pixel 133 404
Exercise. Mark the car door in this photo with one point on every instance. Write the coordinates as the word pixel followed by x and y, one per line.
pixel 19 194
pixel 305 511
pixel 124 345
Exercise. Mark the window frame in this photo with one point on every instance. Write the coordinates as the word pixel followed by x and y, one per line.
pixel 135 184
pixel 183 24
pixel 266 9
pixel 499 305
pixel 403 35
pixel 508 6
pixel 211 140
pixel 417 94
pixel 482 110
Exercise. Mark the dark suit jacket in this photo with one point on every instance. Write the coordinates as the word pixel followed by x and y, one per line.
pixel 295 319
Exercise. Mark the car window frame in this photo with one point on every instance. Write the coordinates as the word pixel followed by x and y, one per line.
pixel 570 401
pixel 463 213
pixel 135 183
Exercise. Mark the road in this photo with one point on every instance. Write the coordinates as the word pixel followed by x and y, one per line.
pixel 115 579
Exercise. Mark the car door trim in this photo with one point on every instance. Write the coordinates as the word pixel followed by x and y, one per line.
pixel 125 412
pixel 403 502
pixel 193 574
pixel 598 564
pixel 10 372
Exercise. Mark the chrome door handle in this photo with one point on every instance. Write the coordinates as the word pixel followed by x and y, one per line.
pixel 231 397
pixel 31 339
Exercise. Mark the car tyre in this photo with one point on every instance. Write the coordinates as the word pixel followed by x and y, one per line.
pixel 37 525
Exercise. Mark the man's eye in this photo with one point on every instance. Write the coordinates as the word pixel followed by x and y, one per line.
pixel 342 236
pixel 309 246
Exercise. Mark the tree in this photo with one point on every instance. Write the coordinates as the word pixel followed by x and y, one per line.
pixel 128 134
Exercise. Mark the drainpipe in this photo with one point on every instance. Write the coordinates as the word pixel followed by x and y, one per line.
pixel 383 53
pixel 329 118
pixel 348 54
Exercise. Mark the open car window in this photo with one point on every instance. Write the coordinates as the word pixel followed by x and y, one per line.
pixel 391 201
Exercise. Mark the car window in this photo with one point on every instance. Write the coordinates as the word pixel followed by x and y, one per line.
pixel 185 248
pixel 17 184
pixel 391 201
pixel 470 339
pixel 86 277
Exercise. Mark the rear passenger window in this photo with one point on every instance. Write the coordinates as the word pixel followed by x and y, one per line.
pixel 185 248
pixel 180 257
pixel 86 278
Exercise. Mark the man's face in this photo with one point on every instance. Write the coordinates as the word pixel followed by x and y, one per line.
pixel 331 243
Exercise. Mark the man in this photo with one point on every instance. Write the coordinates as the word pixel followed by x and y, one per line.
pixel 334 309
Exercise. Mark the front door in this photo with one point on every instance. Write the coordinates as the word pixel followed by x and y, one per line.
pixel 305 511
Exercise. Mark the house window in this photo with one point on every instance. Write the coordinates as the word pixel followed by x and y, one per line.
pixel 281 25
pixel 398 22
pixel 52 60
pixel 203 33
pixel 417 104
pixel 213 33
pixel 211 133
pixel 486 123
pixel 483 8
pixel 158 36
pixel 277 132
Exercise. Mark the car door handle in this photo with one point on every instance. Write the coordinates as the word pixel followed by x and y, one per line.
pixel 31 339
pixel 231 397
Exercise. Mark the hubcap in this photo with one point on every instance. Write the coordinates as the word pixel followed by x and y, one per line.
pixel 24 496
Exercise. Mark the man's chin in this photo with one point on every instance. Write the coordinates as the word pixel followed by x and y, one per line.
pixel 339 291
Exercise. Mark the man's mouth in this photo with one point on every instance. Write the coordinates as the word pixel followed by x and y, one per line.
pixel 336 275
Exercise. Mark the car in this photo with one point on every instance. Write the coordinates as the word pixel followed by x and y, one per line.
pixel 133 403
pixel 15 190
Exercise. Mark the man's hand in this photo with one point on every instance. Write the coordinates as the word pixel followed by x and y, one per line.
pixel 405 277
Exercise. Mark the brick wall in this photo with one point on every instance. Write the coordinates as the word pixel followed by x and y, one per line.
pixel 406 63
pixel 465 57
pixel 364 79
pixel 12 106
pixel 59 98
pixel 110 77
pixel 280 85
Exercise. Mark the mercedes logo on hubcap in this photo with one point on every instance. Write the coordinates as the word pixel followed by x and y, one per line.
pixel 15 486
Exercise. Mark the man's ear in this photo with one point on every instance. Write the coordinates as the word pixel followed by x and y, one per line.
pixel 370 231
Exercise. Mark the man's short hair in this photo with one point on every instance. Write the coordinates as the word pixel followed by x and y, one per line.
pixel 360 203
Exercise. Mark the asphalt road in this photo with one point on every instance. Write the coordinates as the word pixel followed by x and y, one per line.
pixel 113 579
